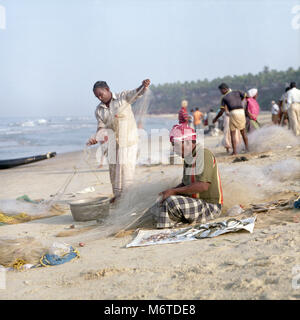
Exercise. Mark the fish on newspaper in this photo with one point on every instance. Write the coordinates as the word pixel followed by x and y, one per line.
pixel 195 232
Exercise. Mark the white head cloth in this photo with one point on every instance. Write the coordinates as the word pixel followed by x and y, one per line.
pixel 252 93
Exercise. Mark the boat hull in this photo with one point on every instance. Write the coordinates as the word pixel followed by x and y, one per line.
pixel 6 164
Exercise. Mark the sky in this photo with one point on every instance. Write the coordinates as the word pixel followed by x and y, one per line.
pixel 52 52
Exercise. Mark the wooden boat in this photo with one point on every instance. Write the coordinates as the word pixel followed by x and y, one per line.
pixel 6 164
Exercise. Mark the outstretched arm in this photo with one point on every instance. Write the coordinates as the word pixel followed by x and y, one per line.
pixel 218 115
pixel 145 85
pixel 132 96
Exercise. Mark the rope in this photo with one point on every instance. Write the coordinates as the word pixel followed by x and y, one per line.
pixel 18 264
pixel 22 217
pixel 48 260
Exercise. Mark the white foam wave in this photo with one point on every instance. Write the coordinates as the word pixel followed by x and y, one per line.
pixel 13 132
pixel 28 124
pixel 42 121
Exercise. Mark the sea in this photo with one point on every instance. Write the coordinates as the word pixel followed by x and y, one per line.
pixel 29 136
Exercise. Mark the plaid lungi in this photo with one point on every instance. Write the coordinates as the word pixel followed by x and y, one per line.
pixel 187 210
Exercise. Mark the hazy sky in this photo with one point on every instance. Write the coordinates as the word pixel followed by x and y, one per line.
pixel 52 52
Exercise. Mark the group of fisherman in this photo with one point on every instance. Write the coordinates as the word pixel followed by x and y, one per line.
pixel 239 111
pixel 199 197
pixel 287 111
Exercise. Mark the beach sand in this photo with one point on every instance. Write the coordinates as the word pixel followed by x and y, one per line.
pixel 233 266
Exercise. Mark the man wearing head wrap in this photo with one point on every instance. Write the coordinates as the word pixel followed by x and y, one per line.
pixel 252 110
pixel 275 112
pixel 199 197
pixel 233 101
pixel 183 115
pixel 114 113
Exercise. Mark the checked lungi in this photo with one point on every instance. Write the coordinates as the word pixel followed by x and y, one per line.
pixel 187 210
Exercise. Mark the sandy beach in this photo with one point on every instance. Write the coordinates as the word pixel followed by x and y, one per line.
pixel 240 265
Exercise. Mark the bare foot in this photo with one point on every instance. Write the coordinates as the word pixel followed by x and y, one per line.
pixel 112 200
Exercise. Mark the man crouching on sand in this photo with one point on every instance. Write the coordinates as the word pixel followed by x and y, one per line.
pixel 199 197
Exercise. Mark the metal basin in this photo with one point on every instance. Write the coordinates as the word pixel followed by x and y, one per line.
pixel 90 209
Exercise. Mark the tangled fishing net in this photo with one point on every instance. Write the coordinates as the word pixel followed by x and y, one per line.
pixel 245 183
pixel 24 210
pixel 140 197
pixel 271 138
pixel 14 253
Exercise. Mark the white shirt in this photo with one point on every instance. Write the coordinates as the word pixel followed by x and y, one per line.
pixel 293 95
pixel 210 118
pixel 119 117
pixel 275 109
pixel 284 102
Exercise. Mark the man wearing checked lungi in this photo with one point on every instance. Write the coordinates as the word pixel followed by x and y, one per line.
pixel 199 197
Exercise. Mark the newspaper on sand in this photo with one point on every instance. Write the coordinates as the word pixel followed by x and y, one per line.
pixel 199 231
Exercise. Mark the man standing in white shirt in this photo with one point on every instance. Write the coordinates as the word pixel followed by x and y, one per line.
pixel 114 114
pixel 293 107
pixel 284 119
pixel 210 117
pixel 275 112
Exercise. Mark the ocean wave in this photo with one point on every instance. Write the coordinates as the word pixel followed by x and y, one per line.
pixel 57 125
pixel 28 124
pixel 79 126
pixel 13 132
pixel 78 118
pixel 36 135
pixel 84 118
pixel 42 121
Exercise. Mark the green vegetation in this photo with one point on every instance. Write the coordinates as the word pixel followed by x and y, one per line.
pixel 205 94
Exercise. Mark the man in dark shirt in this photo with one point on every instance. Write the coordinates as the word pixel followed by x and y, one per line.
pixel 232 103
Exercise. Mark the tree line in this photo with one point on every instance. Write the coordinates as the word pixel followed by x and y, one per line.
pixel 205 95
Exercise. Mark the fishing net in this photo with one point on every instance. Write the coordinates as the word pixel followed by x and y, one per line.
pixel 241 187
pixel 140 197
pixel 14 253
pixel 141 106
pixel 80 185
pixel 272 138
pixel 19 211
